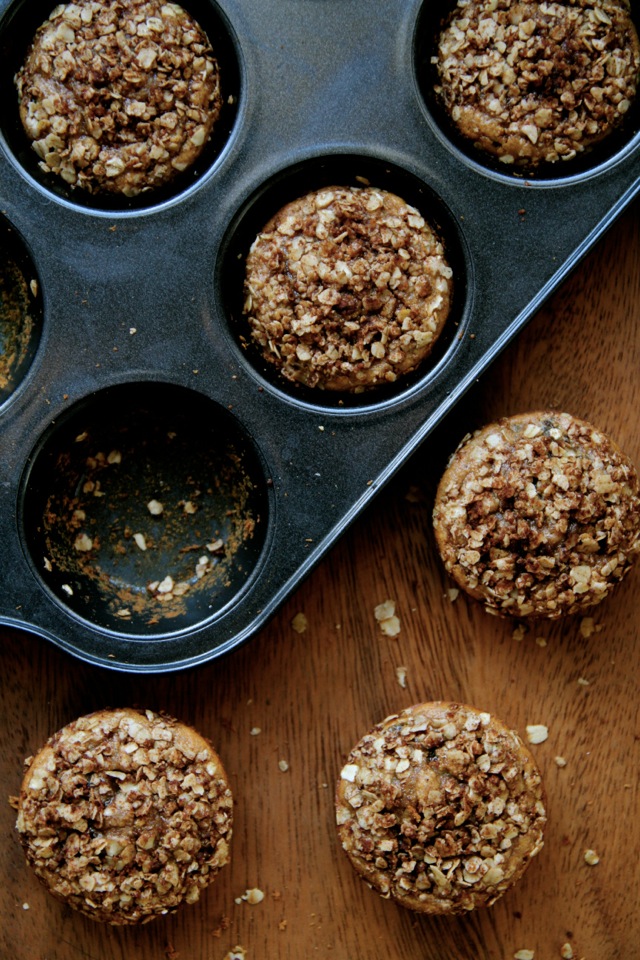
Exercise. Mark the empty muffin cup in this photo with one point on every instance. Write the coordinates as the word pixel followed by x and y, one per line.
pixel 20 311
pixel 145 509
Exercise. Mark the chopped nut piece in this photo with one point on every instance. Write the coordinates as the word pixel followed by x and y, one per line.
pixel 83 543
pixel 537 733
pixel 384 610
pixel 349 772
pixel 591 857
pixel 155 508
pixel 390 627
pixel 388 621
pixel 140 540
pixel 588 627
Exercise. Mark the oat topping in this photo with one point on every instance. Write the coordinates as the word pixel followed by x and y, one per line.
pixel 119 97
pixel 537 733
pixel 346 288
pixel 299 623
pixel 125 814
pixel 385 614
pixel 538 515
pixel 533 82
pixel 440 808
pixel 591 857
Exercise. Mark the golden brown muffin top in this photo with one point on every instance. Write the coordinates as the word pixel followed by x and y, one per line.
pixel 532 82
pixel 538 515
pixel 125 814
pixel 346 288
pixel 440 808
pixel 119 97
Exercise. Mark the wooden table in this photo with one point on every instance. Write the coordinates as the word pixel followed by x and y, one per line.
pixel 313 694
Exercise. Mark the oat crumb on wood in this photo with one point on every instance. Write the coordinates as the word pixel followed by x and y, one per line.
pixel 300 623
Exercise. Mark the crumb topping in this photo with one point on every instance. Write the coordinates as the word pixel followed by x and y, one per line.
pixel 346 288
pixel 124 815
pixel 119 97
pixel 533 82
pixel 538 515
pixel 440 808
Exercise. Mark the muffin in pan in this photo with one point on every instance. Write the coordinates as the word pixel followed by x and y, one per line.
pixel 346 289
pixel 125 814
pixel 532 83
pixel 441 808
pixel 538 515
pixel 119 97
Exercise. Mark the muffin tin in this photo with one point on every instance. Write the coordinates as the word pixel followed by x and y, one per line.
pixel 163 492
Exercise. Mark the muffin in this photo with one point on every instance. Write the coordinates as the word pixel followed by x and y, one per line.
pixel 119 98
pixel 538 515
pixel 346 289
pixel 125 814
pixel 532 83
pixel 440 808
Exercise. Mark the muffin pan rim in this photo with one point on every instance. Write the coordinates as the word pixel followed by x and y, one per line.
pixel 411 416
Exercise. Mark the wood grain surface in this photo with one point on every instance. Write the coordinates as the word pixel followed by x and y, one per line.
pixel 313 694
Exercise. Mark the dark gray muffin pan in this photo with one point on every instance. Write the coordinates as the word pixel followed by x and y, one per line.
pixel 161 491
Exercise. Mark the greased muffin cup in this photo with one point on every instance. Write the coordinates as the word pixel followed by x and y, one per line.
pixel 125 815
pixel 538 515
pixel 138 381
pixel 440 808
